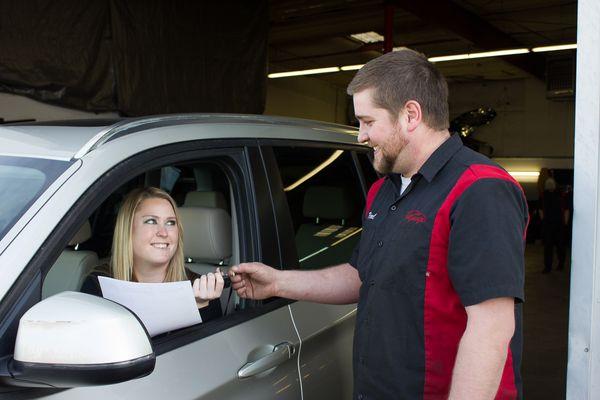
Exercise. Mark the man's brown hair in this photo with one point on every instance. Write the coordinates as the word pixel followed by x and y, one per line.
pixel 404 75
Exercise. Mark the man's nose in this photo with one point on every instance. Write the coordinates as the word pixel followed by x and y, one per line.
pixel 363 136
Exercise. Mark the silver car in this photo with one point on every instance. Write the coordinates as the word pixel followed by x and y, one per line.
pixel 289 193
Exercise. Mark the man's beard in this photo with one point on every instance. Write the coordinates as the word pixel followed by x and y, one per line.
pixel 388 154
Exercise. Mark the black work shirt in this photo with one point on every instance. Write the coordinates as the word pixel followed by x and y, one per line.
pixel 454 238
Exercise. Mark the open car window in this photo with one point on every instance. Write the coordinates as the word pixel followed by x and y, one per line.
pixel 204 193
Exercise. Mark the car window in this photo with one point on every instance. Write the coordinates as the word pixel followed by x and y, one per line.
pixel 22 181
pixel 364 159
pixel 325 199
pixel 203 193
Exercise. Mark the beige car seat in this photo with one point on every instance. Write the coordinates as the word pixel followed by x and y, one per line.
pixel 72 266
pixel 207 238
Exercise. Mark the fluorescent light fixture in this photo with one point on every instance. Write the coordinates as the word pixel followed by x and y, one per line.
pixel 351 67
pixel 368 37
pixel 525 176
pixel 554 48
pixel 454 57
pixel 315 171
pixel 468 56
pixel 304 72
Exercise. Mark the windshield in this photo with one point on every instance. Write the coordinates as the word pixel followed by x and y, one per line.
pixel 22 181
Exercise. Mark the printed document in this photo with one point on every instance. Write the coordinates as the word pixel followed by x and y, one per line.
pixel 162 307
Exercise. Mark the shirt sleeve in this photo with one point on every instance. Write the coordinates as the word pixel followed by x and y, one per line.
pixel 354 258
pixel 486 244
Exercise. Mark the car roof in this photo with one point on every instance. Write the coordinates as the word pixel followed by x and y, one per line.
pixel 66 140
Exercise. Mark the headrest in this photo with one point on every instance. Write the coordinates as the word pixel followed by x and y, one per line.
pixel 328 202
pixel 83 234
pixel 206 234
pixel 205 199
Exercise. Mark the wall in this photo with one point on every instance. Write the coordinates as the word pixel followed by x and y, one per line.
pixel 306 97
pixel 13 107
pixel 526 125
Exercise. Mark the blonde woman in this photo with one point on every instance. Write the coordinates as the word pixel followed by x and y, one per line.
pixel 148 247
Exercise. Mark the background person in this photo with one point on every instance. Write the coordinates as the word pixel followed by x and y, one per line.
pixel 148 247
pixel 555 218
pixel 438 273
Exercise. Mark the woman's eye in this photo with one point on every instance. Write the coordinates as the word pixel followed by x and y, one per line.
pixel 150 221
pixel 171 223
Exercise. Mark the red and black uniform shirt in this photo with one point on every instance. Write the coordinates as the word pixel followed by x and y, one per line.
pixel 453 239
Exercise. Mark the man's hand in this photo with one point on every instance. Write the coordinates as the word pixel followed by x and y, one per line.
pixel 254 280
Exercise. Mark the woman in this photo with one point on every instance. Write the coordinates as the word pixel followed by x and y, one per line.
pixel 148 247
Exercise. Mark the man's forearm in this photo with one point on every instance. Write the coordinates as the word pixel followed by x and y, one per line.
pixel 483 349
pixel 333 285
pixel 478 367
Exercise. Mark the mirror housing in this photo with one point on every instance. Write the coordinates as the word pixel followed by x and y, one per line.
pixel 74 339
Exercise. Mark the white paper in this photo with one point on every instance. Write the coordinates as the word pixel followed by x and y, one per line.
pixel 162 307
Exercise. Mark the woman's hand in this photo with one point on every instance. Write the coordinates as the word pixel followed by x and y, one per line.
pixel 208 287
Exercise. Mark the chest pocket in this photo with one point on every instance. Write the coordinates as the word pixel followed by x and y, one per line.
pixel 404 266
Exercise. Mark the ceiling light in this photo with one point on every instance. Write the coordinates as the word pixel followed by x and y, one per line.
pixel 304 72
pixel 525 176
pixel 351 67
pixel 468 56
pixel 368 37
pixel 554 48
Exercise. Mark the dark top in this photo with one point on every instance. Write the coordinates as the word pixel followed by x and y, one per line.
pixel 553 207
pixel 213 310
pixel 455 238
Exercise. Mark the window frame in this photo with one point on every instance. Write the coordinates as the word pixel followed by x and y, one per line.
pixel 282 212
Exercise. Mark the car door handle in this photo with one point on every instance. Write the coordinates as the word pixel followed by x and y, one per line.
pixel 281 353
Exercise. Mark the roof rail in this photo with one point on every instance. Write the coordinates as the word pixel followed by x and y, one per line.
pixel 129 126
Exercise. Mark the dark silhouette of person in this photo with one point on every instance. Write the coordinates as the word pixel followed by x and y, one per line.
pixel 554 225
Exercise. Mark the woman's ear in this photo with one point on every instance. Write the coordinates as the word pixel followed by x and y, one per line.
pixel 413 115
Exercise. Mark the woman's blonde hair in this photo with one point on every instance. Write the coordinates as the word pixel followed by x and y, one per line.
pixel 121 263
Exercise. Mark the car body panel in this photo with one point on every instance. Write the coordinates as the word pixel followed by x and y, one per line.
pixel 208 368
pixel 325 360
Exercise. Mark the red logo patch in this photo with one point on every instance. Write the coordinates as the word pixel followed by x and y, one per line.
pixel 415 216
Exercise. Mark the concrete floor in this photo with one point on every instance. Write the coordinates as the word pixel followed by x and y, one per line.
pixel 545 328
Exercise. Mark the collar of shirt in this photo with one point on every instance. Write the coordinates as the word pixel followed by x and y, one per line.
pixel 434 163
pixel 440 157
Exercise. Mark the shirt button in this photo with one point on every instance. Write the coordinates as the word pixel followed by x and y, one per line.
pixel 380 244
pixel 393 208
pixel 427 273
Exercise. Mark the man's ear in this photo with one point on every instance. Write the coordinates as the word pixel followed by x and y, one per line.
pixel 413 115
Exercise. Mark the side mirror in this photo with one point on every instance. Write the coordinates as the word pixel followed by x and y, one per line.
pixel 74 339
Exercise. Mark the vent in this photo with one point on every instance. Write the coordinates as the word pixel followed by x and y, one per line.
pixel 560 78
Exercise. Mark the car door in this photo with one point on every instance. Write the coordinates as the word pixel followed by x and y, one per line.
pixel 322 215
pixel 203 361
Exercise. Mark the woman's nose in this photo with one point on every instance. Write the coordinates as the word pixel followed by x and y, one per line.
pixel 162 231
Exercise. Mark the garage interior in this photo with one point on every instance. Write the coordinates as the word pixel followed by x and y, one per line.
pixel 518 109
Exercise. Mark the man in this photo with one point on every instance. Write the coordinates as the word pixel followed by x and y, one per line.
pixel 438 273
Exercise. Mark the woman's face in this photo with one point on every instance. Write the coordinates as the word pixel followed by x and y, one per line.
pixel 154 233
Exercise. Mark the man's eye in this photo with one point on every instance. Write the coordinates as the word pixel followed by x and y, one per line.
pixel 150 221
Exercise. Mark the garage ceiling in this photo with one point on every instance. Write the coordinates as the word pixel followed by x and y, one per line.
pixel 316 33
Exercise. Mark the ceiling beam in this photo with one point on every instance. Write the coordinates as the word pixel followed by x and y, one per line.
pixel 453 18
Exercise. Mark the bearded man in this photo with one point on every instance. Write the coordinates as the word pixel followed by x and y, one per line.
pixel 438 273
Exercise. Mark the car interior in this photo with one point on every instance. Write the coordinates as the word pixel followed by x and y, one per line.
pixel 324 208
